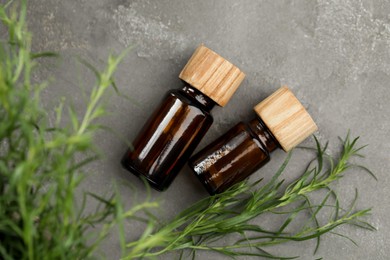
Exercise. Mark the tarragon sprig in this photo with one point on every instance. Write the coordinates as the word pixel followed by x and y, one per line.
pixel 207 221
pixel 41 163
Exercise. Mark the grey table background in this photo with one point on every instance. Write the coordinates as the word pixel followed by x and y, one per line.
pixel 335 55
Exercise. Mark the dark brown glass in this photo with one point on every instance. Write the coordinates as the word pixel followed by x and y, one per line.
pixel 233 156
pixel 169 137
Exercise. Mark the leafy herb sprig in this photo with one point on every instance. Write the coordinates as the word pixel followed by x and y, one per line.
pixel 199 227
pixel 41 163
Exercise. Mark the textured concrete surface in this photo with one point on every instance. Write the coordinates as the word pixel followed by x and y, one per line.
pixel 334 54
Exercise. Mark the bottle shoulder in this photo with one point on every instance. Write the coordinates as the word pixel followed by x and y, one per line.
pixel 190 101
pixel 261 134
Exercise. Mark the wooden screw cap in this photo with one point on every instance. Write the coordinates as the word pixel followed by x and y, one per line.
pixel 286 118
pixel 212 75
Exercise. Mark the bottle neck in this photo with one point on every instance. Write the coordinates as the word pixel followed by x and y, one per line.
pixel 206 102
pixel 261 131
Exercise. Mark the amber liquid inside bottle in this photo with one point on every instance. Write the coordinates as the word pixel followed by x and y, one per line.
pixel 234 156
pixel 169 137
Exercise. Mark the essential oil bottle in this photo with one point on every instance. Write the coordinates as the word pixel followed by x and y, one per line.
pixel 172 133
pixel 281 122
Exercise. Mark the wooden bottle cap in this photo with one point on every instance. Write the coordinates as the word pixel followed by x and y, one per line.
pixel 212 75
pixel 286 118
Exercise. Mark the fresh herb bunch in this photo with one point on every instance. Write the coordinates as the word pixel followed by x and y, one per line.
pixel 41 164
pixel 199 227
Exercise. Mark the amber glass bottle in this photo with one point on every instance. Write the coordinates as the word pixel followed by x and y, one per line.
pixel 281 121
pixel 171 134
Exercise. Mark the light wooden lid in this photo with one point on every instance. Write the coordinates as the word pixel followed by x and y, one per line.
pixel 286 118
pixel 212 75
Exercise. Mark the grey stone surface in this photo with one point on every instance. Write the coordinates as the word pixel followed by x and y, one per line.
pixel 334 54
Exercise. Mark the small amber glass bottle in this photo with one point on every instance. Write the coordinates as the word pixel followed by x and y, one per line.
pixel 281 121
pixel 171 134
